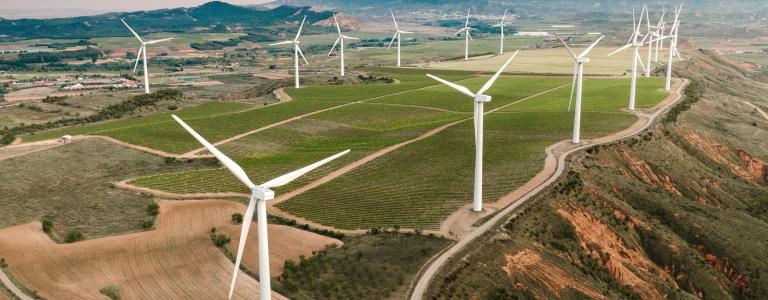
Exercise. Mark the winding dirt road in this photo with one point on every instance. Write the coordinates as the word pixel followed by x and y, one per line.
pixel 560 151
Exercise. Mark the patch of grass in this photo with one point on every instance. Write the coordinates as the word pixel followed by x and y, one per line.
pixel 74 235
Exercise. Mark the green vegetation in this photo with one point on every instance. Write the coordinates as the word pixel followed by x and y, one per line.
pixel 47 225
pixel 237 218
pixel 111 292
pixel 153 209
pixel 692 94
pixel 74 235
pixel 220 240
pixel 371 266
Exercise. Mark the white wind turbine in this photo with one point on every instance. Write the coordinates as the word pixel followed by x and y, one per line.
pixel 501 26
pixel 650 33
pixel 659 33
pixel 479 99
pixel 143 51
pixel 260 194
pixel 467 36
pixel 296 51
pixel 340 41
pixel 672 47
pixel 578 76
pixel 397 36
pixel 635 44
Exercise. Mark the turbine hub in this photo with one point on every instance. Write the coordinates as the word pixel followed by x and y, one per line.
pixel 482 98
pixel 262 193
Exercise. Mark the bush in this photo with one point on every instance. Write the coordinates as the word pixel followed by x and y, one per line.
pixel 8 138
pixel 220 240
pixel 146 224
pixel 111 292
pixel 172 107
pixel 237 218
pixel 74 235
pixel 47 225
pixel 2 263
pixel 153 209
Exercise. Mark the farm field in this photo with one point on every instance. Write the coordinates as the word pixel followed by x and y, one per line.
pixel 553 60
pixel 362 127
pixel 176 259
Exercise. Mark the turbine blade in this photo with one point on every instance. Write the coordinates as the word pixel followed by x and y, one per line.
pixel 281 43
pixel 493 79
pixel 302 54
pixel 247 219
pixel 393 20
pixel 134 32
pixel 457 87
pixel 460 31
pixel 298 33
pixel 138 57
pixel 466 24
pixel 393 40
pixel 620 49
pixel 503 17
pixel 640 60
pixel 287 178
pixel 583 54
pixel 334 46
pixel 403 31
pixel 338 28
pixel 566 46
pixel 226 161
pixel 573 83
pixel 469 35
pixel 349 37
pixel 158 41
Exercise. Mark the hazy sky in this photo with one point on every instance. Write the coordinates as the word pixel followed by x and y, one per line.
pixel 118 5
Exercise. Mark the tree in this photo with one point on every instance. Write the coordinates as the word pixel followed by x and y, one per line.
pixel 237 218
pixel 47 225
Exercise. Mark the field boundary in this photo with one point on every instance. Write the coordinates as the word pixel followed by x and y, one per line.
pixel 559 152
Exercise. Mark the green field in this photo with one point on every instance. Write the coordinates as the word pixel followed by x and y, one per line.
pixel 419 184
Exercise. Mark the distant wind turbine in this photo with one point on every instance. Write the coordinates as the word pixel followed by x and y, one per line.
pixel 659 33
pixel 340 42
pixel 673 47
pixel 467 36
pixel 479 98
pixel 296 51
pixel 501 26
pixel 578 76
pixel 143 51
pixel 635 44
pixel 260 194
pixel 397 36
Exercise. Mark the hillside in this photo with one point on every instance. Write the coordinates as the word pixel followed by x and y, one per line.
pixel 209 17
pixel 680 212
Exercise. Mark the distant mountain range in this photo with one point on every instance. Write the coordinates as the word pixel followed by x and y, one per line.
pixel 210 17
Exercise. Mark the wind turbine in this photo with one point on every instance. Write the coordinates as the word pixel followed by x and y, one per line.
pixel 578 76
pixel 143 50
pixel 635 44
pixel 467 36
pixel 340 41
pixel 260 194
pixel 672 47
pixel 660 33
pixel 501 26
pixel 296 51
pixel 397 35
pixel 650 45
pixel 479 99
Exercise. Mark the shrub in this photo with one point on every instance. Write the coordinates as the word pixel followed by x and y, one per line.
pixel 153 209
pixel 47 225
pixel 172 107
pixel 220 240
pixel 2 263
pixel 74 235
pixel 146 224
pixel 169 160
pixel 237 218
pixel 111 292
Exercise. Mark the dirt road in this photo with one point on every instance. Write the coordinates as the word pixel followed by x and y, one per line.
pixel 561 150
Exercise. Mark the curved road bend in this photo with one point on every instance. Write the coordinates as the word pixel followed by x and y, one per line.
pixel 426 277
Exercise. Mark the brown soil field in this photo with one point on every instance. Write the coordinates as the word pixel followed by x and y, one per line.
pixel 175 260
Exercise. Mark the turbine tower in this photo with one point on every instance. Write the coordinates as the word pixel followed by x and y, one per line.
pixel 340 42
pixel 479 99
pixel 260 194
pixel 635 44
pixel 501 26
pixel 650 33
pixel 397 36
pixel 296 51
pixel 467 36
pixel 578 76
pixel 672 47
pixel 143 51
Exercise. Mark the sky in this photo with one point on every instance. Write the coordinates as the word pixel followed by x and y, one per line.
pixel 109 5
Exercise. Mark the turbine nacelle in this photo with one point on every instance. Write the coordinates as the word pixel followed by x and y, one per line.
pixel 482 98
pixel 262 193
pixel 582 60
